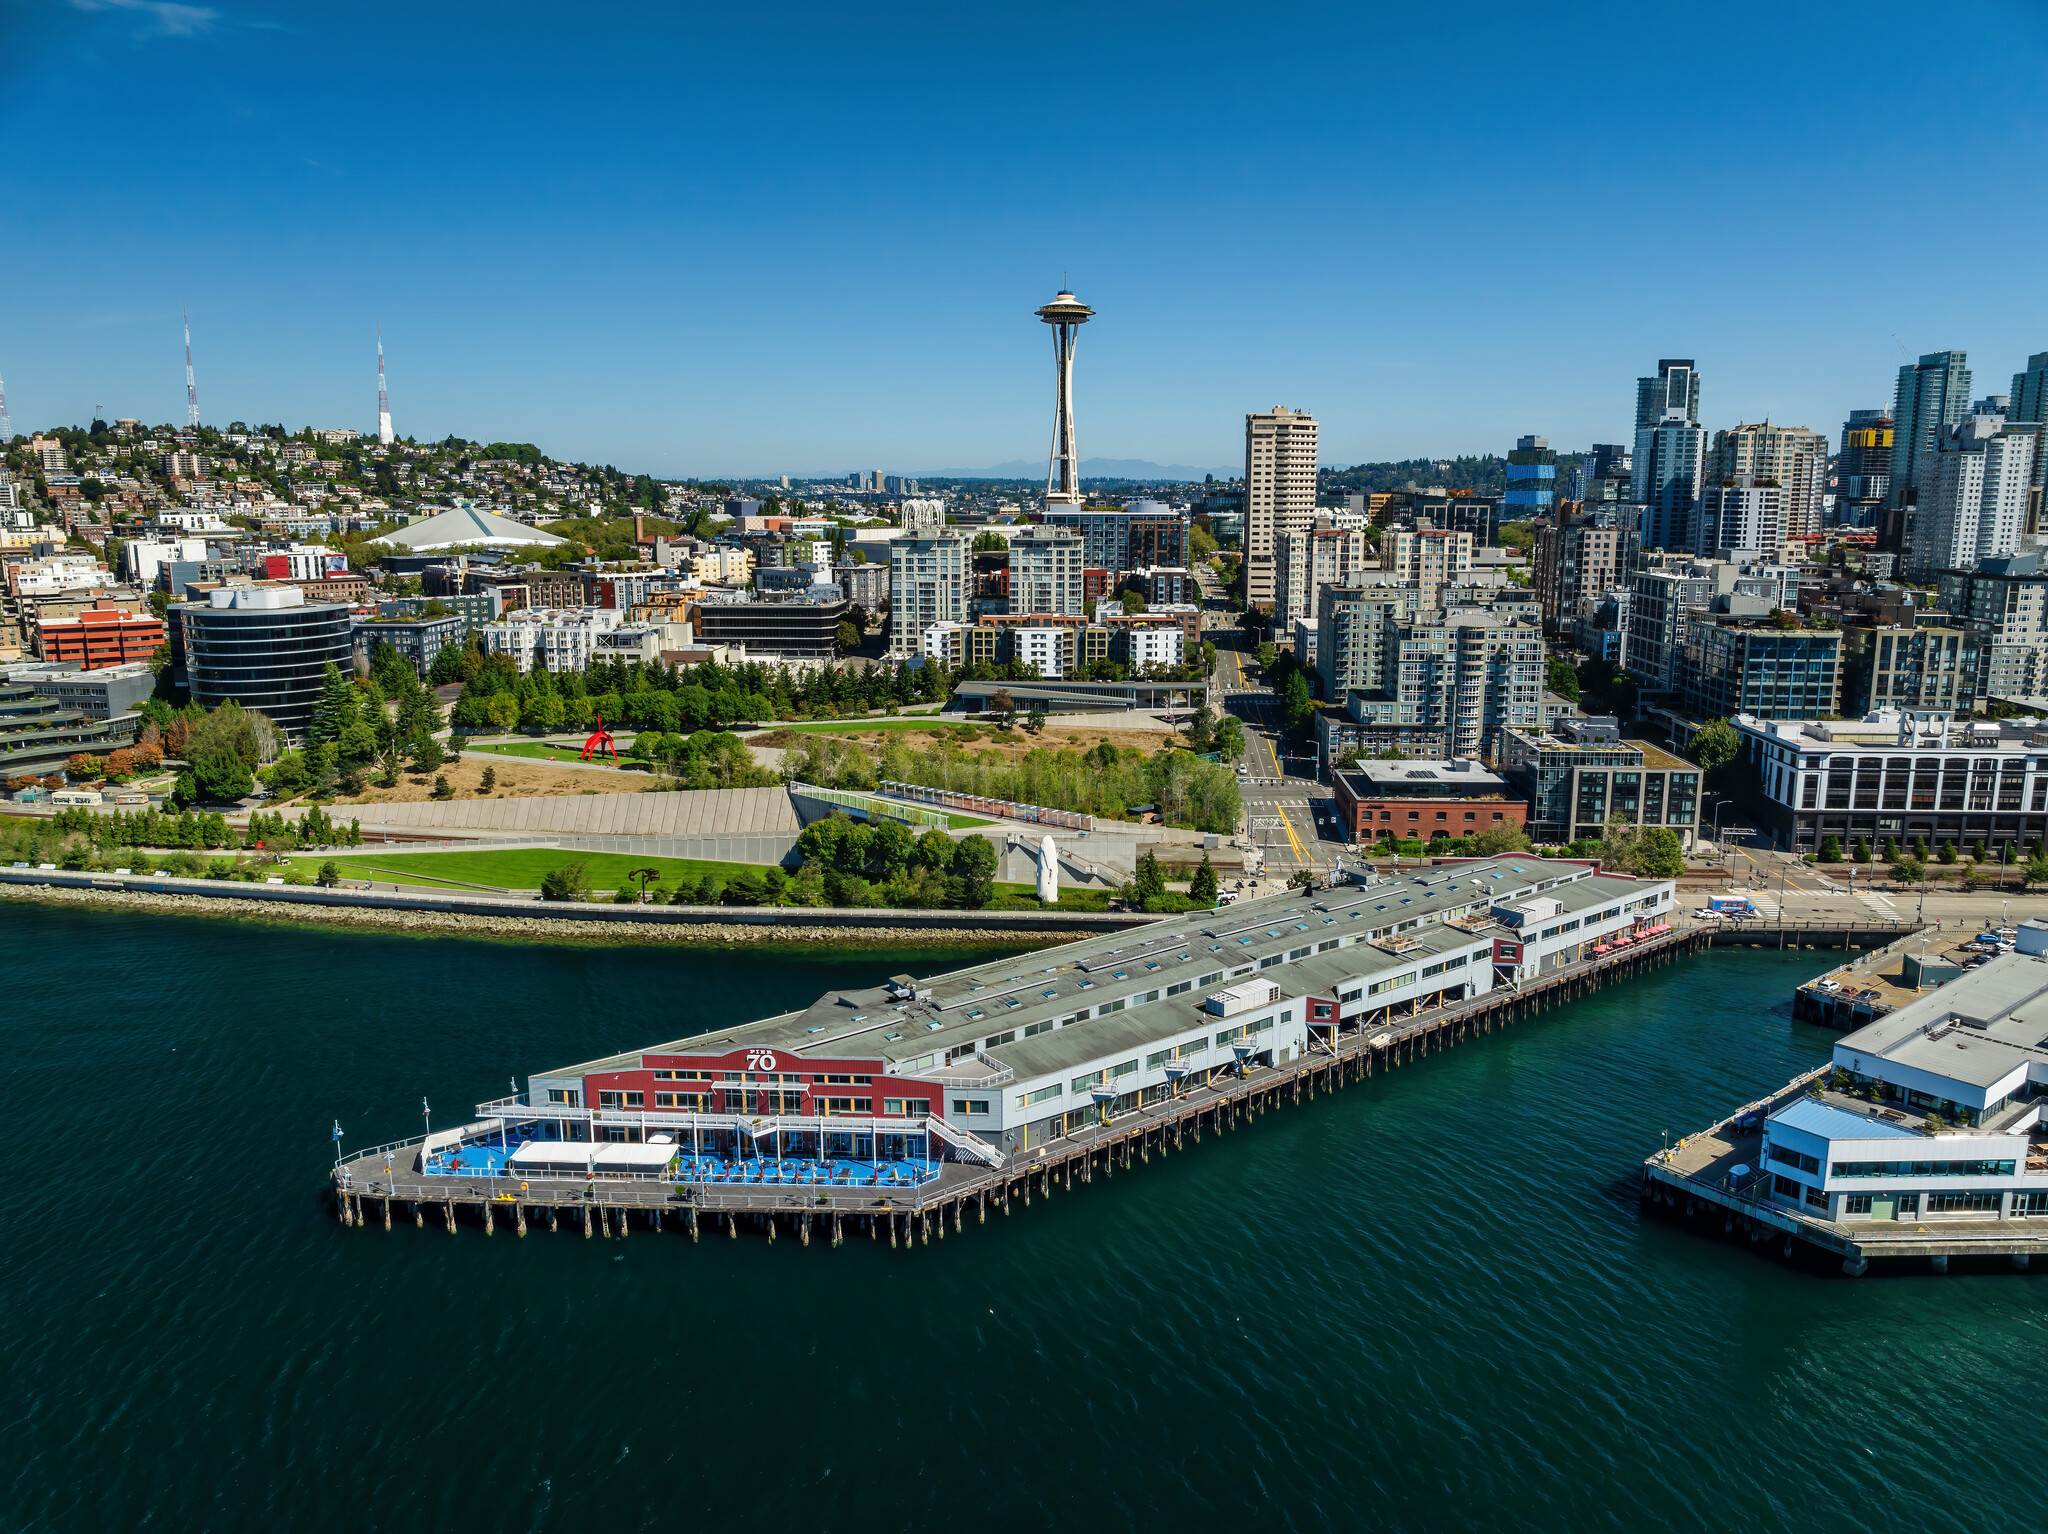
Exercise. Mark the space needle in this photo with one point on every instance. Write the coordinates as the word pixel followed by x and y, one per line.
pixel 1066 314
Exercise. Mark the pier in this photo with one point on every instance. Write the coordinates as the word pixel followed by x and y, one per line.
pixel 1714 1180
pixel 390 1184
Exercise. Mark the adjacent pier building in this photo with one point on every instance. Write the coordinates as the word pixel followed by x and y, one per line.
pixel 1926 1136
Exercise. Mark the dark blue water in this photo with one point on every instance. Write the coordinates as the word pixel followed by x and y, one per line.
pixel 1424 1303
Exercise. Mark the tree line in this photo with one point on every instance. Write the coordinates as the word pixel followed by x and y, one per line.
pixel 1103 780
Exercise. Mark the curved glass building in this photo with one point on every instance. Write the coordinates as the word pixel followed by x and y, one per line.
pixel 265 647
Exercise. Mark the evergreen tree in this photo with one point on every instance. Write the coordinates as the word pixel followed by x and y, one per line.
pixel 336 709
pixel 974 863
pixel 1149 882
pixel 1203 886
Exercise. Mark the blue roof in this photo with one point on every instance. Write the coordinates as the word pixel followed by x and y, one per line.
pixel 1827 1123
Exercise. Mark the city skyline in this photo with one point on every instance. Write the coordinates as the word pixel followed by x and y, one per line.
pixel 682 281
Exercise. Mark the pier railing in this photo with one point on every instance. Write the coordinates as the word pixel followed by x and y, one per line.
pixel 993 1073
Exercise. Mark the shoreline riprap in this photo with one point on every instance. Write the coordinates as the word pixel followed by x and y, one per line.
pixel 553 929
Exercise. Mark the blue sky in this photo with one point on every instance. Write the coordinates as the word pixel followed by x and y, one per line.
pixel 744 240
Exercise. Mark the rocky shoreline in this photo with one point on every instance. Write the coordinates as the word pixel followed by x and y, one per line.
pixel 551 929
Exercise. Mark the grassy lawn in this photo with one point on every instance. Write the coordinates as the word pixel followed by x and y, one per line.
pixel 521 868
pixel 1024 897
pixel 538 750
pixel 518 868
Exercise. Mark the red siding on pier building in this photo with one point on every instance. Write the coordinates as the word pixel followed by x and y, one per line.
pixel 805 1075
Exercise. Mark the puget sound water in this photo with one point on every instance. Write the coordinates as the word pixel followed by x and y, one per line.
pixel 1426 1302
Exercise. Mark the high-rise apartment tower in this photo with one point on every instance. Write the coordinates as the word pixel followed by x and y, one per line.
pixel 1670 453
pixel 1792 458
pixel 1279 491
pixel 1933 395
pixel 2029 403
pixel 1674 392
pixel 1532 480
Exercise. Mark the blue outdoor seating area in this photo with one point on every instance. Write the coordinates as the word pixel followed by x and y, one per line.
pixel 836 1173
pixel 479 1159
pixel 470 1160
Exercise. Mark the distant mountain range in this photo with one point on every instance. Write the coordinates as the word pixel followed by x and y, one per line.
pixel 1091 468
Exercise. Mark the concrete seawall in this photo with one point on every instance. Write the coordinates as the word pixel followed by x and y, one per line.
pixel 492 914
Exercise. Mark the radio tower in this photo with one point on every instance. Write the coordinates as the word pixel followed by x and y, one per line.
pixel 6 425
pixel 383 399
pixel 191 388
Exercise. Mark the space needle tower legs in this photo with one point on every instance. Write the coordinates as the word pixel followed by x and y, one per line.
pixel 1066 314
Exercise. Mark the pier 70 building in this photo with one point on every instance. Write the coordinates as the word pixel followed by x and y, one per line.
pixel 1006 1056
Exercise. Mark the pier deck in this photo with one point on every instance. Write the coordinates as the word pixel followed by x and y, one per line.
pixel 1868 987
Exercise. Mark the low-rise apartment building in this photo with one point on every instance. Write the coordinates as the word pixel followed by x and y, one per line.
pixel 556 639
pixel 417 639
pixel 102 636
pixel 1914 666
pixel 2005 600
pixel 1582 775
pixel 1774 669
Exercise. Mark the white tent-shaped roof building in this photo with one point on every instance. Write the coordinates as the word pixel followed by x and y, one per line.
pixel 467 528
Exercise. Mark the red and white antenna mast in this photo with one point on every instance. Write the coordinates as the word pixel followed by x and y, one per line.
pixel 383 399
pixel 191 388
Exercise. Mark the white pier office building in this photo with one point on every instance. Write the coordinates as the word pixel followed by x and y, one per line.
pixel 1008 1055
pixel 1932 1112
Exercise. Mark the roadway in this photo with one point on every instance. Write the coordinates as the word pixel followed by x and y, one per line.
pixel 1288 813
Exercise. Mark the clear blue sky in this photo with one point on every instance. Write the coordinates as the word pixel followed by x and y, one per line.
pixel 754 239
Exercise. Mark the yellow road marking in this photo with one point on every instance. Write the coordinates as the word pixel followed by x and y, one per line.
pixel 1292 840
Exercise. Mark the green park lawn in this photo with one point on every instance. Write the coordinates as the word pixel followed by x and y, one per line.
pixel 537 749
pixel 1024 897
pixel 521 868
